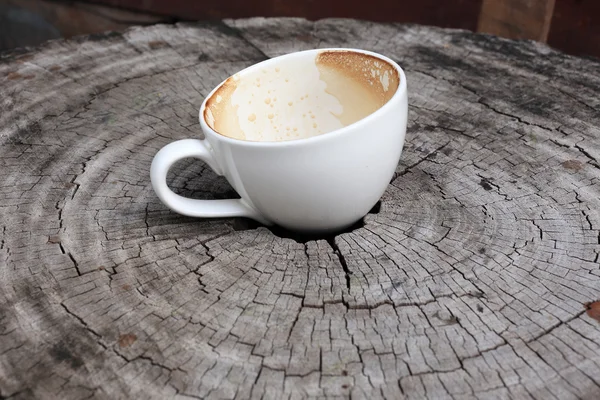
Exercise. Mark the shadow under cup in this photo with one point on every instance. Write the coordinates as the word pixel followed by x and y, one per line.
pixel 299 96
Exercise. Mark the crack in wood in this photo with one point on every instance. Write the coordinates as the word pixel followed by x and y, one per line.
pixel 592 159
pixel 342 261
pixel 410 167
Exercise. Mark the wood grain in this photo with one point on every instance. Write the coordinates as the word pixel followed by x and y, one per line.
pixel 476 278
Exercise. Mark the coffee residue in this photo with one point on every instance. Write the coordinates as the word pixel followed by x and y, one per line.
pixel 361 82
pixel 344 87
pixel 220 114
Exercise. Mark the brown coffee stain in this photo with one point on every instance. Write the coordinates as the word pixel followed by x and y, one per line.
pixel 366 80
pixel 573 165
pixel 219 107
pixel 127 340
pixel 593 310
pixel 126 287
pixel 359 67
pixel 157 44
pixel 361 82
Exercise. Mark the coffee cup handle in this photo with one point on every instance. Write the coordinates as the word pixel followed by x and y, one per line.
pixel 193 148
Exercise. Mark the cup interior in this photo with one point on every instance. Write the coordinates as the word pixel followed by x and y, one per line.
pixel 301 95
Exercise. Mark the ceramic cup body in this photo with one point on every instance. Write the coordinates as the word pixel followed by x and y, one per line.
pixel 322 183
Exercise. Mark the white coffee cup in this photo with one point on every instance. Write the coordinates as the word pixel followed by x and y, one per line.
pixel 299 179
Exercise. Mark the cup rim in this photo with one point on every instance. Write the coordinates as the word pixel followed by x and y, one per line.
pixel 313 139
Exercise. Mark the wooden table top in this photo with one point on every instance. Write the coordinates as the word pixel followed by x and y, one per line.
pixel 476 276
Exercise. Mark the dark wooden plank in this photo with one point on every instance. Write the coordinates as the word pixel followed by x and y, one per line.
pixel 516 19
pixel 32 22
pixel 449 13
pixel 576 27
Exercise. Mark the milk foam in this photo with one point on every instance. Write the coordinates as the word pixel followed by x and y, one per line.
pixel 301 97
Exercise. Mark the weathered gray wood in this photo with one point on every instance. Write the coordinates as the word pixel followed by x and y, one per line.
pixel 472 281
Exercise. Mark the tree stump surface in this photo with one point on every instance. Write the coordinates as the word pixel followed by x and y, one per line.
pixel 476 278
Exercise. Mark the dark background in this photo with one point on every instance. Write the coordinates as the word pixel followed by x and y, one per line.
pixel 572 26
